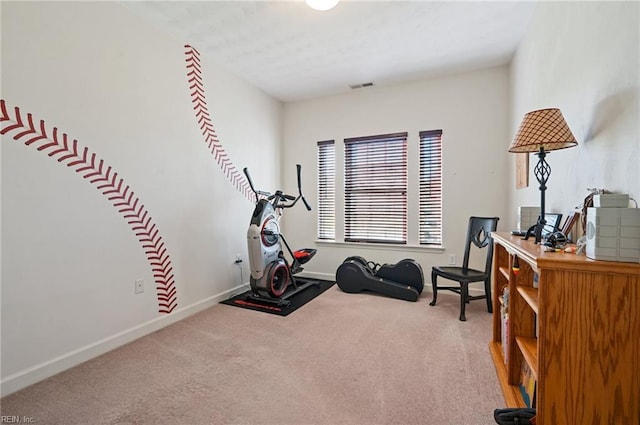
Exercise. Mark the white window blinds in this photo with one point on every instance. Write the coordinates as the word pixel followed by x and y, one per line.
pixel 376 189
pixel 326 190
pixel 431 187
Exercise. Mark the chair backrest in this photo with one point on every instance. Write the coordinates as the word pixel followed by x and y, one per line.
pixel 479 234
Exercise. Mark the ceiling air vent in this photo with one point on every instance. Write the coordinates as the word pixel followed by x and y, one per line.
pixel 359 86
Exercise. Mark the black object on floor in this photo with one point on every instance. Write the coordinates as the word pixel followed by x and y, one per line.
pixel 403 280
pixel 515 416
pixel 245 300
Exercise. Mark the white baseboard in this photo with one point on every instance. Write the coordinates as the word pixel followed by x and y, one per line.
pixel 24 378
pixel 322 276
pixel 427 284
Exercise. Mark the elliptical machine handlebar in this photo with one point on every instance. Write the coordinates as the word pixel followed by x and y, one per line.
pixel 299 171
pixel 279 198
pixel 253 189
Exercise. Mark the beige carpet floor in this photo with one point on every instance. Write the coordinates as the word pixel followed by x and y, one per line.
pixel 341 359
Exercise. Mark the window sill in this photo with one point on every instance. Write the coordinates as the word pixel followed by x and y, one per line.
pixel 383 246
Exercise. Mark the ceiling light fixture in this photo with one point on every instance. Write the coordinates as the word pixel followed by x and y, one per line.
pixel 322 4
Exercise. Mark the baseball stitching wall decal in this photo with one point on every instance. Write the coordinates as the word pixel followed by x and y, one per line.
pixel 198 98
pixel 106 181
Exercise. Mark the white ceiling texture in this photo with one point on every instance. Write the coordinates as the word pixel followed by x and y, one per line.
pixel 293 52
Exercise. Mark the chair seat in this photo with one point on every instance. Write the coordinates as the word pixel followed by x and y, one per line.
pixel 458 273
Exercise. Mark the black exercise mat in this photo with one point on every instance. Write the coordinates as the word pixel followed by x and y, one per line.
pixel 295 302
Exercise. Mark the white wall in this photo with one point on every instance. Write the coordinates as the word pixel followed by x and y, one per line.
pixel 582 57
pixel 471 109
pixel 69 257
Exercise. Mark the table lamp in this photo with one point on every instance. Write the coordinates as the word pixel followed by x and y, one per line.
pixel 542 131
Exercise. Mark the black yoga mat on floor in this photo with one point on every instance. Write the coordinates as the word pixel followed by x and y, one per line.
pixel 295 302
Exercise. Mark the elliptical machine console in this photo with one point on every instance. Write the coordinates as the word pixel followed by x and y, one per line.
pixel 272 275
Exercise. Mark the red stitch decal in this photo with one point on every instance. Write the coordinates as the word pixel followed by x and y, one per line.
pixel 194 75
pixel 106 181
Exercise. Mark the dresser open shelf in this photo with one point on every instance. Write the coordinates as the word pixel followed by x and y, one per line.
pixel 576 323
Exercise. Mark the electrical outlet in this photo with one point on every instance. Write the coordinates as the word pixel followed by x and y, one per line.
pixel 139 286
pixel 452 259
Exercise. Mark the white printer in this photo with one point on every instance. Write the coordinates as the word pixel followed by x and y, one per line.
pixel 613 229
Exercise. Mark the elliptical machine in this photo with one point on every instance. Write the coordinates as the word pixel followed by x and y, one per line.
pixel 272 276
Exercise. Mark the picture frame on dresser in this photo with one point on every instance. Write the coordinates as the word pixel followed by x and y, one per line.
pixel 552 224
pixel 570 221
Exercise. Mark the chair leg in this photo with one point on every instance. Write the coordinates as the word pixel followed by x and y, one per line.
pixel 464 296
pixel 487 291
pixel 434 285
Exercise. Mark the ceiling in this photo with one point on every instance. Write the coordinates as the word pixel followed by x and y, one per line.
pixel 293 52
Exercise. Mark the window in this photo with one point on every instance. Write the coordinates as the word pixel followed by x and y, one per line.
pixel 376 189
pixel 431 187
pixel 326 190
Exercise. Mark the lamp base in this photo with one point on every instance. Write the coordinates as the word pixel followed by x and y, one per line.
pixel 531 231
pixel 542 171
pixel 535 231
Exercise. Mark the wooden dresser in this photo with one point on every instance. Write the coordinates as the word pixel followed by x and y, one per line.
pixel 576 323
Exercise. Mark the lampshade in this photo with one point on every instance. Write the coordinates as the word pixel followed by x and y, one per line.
pixel 322 4
pixel 543 128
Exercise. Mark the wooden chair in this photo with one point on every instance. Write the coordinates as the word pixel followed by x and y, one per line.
pixel 478 234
